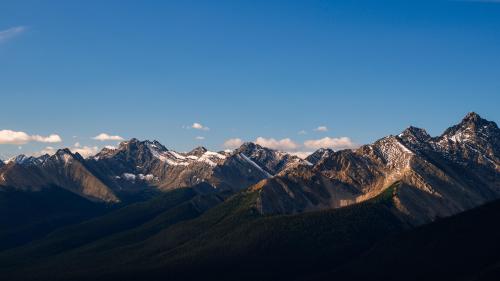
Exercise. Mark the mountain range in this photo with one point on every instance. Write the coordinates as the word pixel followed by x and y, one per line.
pixel 142 211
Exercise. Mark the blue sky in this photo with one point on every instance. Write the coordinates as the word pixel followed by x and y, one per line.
pixel 243 70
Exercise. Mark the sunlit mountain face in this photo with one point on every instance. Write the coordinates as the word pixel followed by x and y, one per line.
pixel 249 140
pixel 232 213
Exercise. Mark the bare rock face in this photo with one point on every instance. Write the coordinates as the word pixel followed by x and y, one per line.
pixel 319 154
pixel 269 160
pixel 342 178
pixel 63 169
pixel 439 176
pixel 138 166
pixel 198 152
pixel 474 141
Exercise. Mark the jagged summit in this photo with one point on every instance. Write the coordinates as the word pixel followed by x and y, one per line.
pixel 414 134
pixel 472 117
pixel 198 151
pixel 27 160
pixel 136 143
pixel 63 151
pixel 19 159
pixel 441 176
pixel 316 156
pixel 327 178
pixel 471 124
pixel 63 154
pixel 248 146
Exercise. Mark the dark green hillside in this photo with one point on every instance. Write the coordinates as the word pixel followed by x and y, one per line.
pixel 27 216
pixel 231 241
pixel 462 247
pixel 120 220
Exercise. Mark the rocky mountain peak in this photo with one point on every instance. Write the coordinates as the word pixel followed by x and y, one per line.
pixel 254 150
pixel 199 151
pixel 19 159
pixel 316 156
pixel 270 160
pixel 134 144
pixel 134 147
pixel 475 122
pixel 63 151
pixel 248 148
pixel 27 160
pixel 472 117
pixel 44 157
pixel 156 145
pixel 63 155
pixel 472 128
pixel 132 141
pixel 415 134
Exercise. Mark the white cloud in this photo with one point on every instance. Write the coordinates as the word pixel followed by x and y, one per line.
pixel 301 154
pixel 233 143
pixel 106 137
pixel 18 138
pixel 283 144
pixel 198 126
pixel 321 129
pixel 50 139
pixel 11 32
pixel 327 142
pixel 85 151
pixel 200 138
pixel 13 137
pixel 47 150
pixel 302 132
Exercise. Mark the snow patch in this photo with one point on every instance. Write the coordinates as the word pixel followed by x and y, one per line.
pixel 129 177
pixel 255 165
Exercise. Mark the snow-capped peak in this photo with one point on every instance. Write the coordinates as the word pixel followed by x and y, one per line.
pixel 27 160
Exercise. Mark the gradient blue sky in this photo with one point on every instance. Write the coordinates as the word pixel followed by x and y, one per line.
pixel 245 69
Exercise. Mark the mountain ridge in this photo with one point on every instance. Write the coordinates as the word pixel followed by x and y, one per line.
pixel 436 170
pixel 253 211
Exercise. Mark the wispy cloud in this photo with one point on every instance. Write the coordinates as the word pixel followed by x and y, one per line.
pixel 199 126
pixel 11 32
pixel 283 144
pixel 301 154
pixel 107 137
pixel 327 142
pixel 290 146
pixel 85 151
pixel 50 150
pixel 233 143
pixel 19 138
pixel 321 129
pixel 199 138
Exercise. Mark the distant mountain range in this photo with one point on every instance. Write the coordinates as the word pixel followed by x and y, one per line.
pixel 135 167
pixel 144 211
